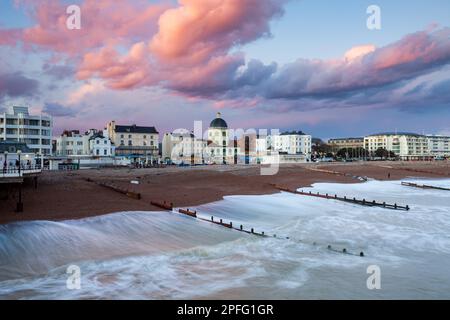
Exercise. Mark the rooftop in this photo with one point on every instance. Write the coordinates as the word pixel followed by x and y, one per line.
pixel 135 129
pixel 293 133
pixel 396 134
pixel 13 147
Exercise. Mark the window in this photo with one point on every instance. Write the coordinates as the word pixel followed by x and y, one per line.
pixel 130 143
pixel 121 136
pixel 97 141
pixel 105 142
pixel 98 152
pixel 105 152
pixel 130 136
pixel 122 143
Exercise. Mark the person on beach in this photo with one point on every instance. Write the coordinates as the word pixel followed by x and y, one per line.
pixel 389 175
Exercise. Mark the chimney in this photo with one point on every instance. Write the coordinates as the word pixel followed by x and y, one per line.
pixel 219 115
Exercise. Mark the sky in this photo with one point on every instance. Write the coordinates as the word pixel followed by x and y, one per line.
pixel 310 65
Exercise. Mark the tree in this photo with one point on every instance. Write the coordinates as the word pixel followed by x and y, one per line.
pixel 320 148
pixel 345 153
pixel 384 154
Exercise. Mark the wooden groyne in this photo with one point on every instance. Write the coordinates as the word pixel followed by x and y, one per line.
pixel 337 173
pixel 128 193
pixel 423 186
pixel 240 228
pixel 353 200
pixel 163 205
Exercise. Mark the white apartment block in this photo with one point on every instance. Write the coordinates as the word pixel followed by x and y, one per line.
pixel 180 147
pixel 439 146
pixel 72 143
pixel 17 125
pixel 407 146
pixel 92 143
pixel 292 143
pixel 100 145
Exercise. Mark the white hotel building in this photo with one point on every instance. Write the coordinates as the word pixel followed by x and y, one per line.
pixel 183 147
pixel 92 143
pixel 292 143
pixel 439 146
pixel 407 146
pixel 17 125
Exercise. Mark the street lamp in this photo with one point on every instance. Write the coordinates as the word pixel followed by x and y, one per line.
pixel 19 152
pixel 5 165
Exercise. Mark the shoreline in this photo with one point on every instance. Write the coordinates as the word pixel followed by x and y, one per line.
pixel 69 196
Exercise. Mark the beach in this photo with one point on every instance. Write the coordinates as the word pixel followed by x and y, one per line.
pixel 62 195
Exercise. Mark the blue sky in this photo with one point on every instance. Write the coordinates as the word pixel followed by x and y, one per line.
pixel 326 29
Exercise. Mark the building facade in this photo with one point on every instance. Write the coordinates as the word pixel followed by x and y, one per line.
pixel 72 143
pixel 346 143
pixel 100 145
pixel 141 144
pixel 292 143
pixel 18 125
pixel 220 149
pixel 439 146
pixel 407 146
pixel 91 143
pixel 183 147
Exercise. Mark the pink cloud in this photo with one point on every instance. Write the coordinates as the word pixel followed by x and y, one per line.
pixel 104 22
pixel 187 49
pixel 198 29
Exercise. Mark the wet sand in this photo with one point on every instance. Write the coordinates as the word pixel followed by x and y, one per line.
pixel 67 195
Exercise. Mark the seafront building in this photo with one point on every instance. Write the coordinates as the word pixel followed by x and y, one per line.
pixel 92 143
pixel 346 143
pixel 405 145
pixel 292 143
pixel 137 143
pixel 18 125
pixel 182 147
pixel 219 147
pixel 439 146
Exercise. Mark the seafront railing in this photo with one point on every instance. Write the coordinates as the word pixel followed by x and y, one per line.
pixel 15 172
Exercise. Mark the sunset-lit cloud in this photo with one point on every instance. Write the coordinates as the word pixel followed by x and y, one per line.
pixel 194 51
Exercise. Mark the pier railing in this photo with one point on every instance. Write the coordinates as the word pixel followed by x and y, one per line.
pixel 14 172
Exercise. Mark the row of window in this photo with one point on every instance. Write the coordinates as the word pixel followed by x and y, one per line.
pixel 130 136
pixel 26 132
pixel 26 122
pixel 130 143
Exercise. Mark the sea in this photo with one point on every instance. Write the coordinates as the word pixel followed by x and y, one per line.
pixel 166 255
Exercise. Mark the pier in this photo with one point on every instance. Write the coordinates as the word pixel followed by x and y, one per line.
pixel 14 178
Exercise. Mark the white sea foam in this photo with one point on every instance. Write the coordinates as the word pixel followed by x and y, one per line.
pixel 141 255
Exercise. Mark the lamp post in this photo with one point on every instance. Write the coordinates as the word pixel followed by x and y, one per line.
pixel 19 202
pixel 19 153
pixel 5 164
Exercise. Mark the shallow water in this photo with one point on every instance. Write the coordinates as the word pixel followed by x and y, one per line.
pixel 140 255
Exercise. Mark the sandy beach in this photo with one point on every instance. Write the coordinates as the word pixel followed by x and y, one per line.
pixel 68 195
